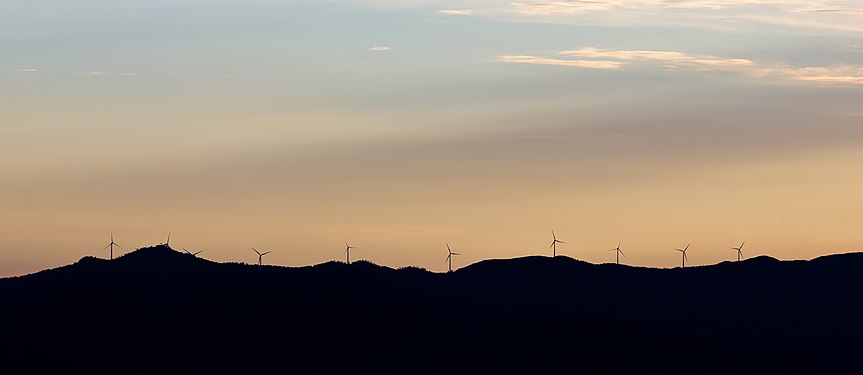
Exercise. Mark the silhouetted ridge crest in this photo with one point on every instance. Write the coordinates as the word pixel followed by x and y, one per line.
pixel 160 256
pixel 526 264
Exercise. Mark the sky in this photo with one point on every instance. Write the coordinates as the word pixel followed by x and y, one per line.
pixel 402 125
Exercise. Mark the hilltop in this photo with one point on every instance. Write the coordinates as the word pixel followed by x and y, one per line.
pixel 156 310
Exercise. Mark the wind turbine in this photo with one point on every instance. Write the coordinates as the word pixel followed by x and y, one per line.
pixel 554 243
pixel 260 255
pixel 168 242
pixel 739 251
pixel 111 245
pixel 449 257
pixel 195 254
pixel 348 252
pixel 683 251
pixel 618 251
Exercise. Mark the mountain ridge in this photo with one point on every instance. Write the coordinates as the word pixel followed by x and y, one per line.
pixel 164 256
pixel 157 310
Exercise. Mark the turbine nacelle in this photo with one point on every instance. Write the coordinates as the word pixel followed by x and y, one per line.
pixel 449 257
pixel 260 255
pixel 685 258
pixel 554 243
pixel 739 250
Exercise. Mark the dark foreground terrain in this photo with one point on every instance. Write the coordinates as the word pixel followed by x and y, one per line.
pixel 160 311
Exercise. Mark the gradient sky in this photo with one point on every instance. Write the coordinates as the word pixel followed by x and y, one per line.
pixel 399 125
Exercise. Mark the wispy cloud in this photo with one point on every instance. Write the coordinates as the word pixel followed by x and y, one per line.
pixel 669 59
pixel 838 74
pixel 561 7
pixel 28 70
pixel 537 60
pixel 458 12
pixel 106 73
pixel 380 49
pixel 829 9
pixel 836 15
pixel 94 73
pixel 593 58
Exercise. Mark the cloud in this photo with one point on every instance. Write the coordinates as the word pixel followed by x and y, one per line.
pixel 106 73
pixel 561 7
pixel 839 74
pixel 670 59
pixel 593 58
pixel 380 49
pixel 458 12
pixel 95 73
pixel 536 60
pixel 835 15
pixel 830 9
pixel 28 70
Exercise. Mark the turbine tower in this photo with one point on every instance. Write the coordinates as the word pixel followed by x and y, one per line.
pixel 195 254
pixel 260 255
pixel 618 251
pixel 449 257
pixel 168 242
pixel 554 243
pixel 739 251
pixel 111 245
pixel 348 252
pixel 684 258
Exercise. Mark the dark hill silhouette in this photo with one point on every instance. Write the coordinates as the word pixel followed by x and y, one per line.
pixel 156 310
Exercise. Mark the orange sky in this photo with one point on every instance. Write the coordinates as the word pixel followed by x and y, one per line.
pixel 297 127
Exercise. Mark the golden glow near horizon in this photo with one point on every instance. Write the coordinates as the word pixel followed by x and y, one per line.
pixel 400 126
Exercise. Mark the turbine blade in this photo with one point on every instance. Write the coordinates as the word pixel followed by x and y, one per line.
pixel 456 254
pixel 447 247
pixel 552 244
pixel 684 256
pixel 109 245
pixel 621 252
pixel 198 252
pixel 447 258
pixel 266 253
pixel 256 250
pixel 687 247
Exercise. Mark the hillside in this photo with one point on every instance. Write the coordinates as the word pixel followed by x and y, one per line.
pixel 157 310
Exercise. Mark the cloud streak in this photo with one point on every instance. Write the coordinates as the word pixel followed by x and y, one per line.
pixel 836 15
pixel 458 12
pixel 670 59
pixel 106 73
pixel 537 60
pixel 28 70
pixel 838 74
pixel 594 58
pixel 380 49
